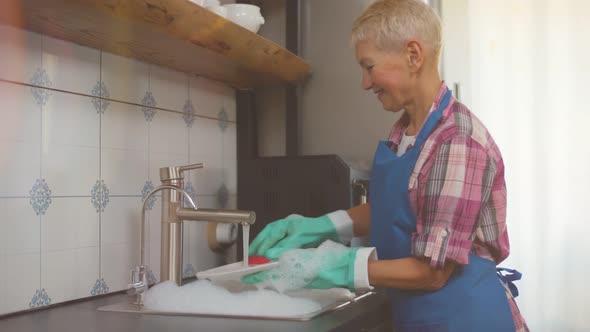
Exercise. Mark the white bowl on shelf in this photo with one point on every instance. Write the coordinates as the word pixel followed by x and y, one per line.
pixel 247 16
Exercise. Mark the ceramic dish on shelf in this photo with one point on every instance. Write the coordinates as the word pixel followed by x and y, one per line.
pixel 234 271
pixel 247 16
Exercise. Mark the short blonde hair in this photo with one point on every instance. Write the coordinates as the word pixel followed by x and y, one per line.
pixel 392 23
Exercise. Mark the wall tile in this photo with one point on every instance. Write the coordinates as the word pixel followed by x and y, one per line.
pixel 230 164
pixel 71 67
pixel 117 260
pixel 209 97
pixel 20 140
pixel 70 170
pixel 69 274
pixel 21 54
pixel 120 221
pixel 126 79
pixel 124 170
pixel 21 280
pixel 19 227
pixel 168 134
pixel 124 127
pixel 170 86
pixel 206 141
pixel 70 120
pixel 70 223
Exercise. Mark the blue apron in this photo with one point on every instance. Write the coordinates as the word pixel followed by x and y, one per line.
pixel 473 298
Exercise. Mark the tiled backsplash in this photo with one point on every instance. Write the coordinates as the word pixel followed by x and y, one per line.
pixel 74 168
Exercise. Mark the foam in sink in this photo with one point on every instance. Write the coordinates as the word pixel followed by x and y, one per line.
pixel 236 299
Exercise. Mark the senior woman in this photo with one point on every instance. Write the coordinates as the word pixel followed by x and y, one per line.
pixel 437 207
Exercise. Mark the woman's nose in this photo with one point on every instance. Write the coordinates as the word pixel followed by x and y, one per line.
pixel 366 82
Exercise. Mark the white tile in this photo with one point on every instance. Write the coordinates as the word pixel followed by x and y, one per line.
pixel 88 264
pixel 230 160
pixel 71 67
pixel 209 97
pixel 69 274
pixel 70 170
pixel 21 117
pixel 124 127
pixel 70 223
pixel 158 160
pixel 19 227
pixel 125 78
pixel 20 140
pixel 70 119
pixel 21 54
pixel 20 168
pixel 21 279
pixel 117 262
pixel 168 133
pixel 170 86
pixel 124 171
pixel 206 146
pixel 120 221
pixel 206 138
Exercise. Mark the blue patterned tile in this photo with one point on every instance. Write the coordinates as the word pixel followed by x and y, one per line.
pixel 189 113
pixel 189 271
pixel 40 196
pixel 222 119
pixel 147 188
pixel 100 90
pixel 41 79
pixel 40 299
pixel 149 101
pixel 99 195
pixel 152 280
pixel 222 196
pixel 100 287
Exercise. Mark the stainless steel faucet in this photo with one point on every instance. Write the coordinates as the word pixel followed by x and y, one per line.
pixel 173 215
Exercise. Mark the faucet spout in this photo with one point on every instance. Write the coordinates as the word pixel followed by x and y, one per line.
pixel 217 215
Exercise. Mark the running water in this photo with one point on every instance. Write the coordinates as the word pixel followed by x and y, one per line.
pixel 245 243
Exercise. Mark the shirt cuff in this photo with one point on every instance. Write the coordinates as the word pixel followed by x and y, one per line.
pixel 361 268
pixel 343 224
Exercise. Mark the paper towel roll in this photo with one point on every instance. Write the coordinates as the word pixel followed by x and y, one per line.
pixel 220 236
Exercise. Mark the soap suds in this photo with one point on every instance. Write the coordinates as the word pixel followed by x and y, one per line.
pixel 299 267
pixel 203 297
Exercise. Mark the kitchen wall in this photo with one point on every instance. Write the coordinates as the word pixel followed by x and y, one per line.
pixel 336 115
pixel 74 168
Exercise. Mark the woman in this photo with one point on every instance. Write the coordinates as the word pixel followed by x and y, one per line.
pixel 438 196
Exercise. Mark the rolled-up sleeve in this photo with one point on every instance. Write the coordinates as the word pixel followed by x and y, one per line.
pixel 456 183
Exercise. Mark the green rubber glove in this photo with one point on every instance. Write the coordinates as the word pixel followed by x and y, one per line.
pixel 310 268
pixel 291 233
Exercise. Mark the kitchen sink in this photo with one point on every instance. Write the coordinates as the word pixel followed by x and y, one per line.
pixel 328 299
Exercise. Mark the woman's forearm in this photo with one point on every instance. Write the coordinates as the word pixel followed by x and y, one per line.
pixel 408 273
pixel 361 219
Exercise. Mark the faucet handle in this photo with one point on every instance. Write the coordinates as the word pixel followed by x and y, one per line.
pixel 189 167
pixel 175 172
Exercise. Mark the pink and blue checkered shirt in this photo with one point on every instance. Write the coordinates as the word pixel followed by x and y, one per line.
pixel 458 192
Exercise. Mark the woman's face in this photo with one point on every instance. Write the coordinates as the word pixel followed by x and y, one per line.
pixel 387 74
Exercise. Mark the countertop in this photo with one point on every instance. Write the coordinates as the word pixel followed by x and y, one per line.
pixel 367 314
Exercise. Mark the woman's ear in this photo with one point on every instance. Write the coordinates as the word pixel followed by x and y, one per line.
pixel 415 55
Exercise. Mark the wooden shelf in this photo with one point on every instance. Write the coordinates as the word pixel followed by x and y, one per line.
pixel 171 33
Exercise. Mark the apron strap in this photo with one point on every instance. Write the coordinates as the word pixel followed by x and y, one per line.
pixel 508 278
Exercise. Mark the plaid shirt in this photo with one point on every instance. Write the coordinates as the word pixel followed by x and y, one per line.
pixel 458 193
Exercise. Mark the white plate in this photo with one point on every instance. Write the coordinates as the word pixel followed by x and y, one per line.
pixel 234 271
